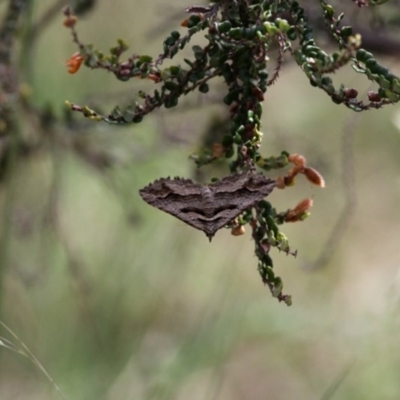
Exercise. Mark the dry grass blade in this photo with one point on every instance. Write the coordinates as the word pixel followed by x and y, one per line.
pixel 24 351
pixel 334 386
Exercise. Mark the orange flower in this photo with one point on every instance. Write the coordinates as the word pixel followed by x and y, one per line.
pixel 154 77
pixel 303 206
pixel 297 159
pixel 185 22
pixel 300 212
pixel 238 230
pixel 74 63
pixel 217 150
pixel 280 182
pixel 314 176
pixel 70 21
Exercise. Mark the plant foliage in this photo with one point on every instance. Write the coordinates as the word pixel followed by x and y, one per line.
pixel 245 45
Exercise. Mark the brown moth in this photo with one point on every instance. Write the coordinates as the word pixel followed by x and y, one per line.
pixel 208 207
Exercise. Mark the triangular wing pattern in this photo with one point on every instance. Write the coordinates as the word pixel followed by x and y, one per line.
pixel 208 208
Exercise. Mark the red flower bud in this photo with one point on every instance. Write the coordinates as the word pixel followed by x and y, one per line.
pixel 74 63
pixel 314 177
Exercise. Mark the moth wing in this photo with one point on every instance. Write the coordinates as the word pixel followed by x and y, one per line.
pixel 258 184
pixel 166 186
pixel 183 199
pixel 178 197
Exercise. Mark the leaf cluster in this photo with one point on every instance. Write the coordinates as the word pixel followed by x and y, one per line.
pixel 246 42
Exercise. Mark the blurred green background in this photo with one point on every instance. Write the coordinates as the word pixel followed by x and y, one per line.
pixel 120 301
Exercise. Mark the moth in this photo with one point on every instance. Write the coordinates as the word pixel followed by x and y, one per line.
pixel 208 207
